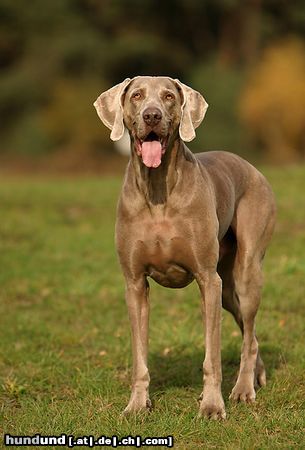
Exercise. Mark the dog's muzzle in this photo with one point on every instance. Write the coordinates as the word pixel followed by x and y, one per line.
pixel 152 145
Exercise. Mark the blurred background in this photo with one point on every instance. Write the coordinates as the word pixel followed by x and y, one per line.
pixel 246 57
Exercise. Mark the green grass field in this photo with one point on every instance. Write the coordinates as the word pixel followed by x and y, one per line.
pixel 65 351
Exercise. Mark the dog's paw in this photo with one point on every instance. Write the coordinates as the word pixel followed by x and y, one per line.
pixel 138 402
pixel 211 406
pixel 243 391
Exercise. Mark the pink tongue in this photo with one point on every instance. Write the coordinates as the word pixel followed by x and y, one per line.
pixel 151 153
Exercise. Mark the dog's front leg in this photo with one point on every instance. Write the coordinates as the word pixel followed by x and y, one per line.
pixel 211 401
pixel 138 310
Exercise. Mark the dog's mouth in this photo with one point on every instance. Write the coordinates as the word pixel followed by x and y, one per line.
pixel 151 149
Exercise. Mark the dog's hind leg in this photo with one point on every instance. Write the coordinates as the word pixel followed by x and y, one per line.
pixel 230 301
pixel 252 237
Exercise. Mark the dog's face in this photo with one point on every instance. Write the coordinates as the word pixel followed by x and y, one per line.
pixel 153 109
pixel 152 113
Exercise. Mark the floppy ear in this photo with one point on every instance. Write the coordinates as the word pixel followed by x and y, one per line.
pixel 110 109
pixel 193 110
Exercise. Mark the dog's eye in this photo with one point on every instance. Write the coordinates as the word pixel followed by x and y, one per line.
pixel 169 96
pixel 136 96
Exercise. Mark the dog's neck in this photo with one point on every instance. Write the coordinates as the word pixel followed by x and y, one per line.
pixel 156 184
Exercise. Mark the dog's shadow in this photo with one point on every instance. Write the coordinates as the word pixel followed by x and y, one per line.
pixel 182 367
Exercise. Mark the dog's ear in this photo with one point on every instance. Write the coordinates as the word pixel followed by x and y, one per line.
pixel 193 110
pixel 110 109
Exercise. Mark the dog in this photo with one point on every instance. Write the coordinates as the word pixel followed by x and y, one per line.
pixel 182 217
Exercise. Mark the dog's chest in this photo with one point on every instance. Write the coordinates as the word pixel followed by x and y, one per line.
pixel 161 247
pixel 160 239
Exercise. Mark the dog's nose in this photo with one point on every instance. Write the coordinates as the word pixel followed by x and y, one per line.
pixel 152 116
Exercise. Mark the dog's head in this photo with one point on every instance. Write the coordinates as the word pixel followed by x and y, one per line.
pixel 153 109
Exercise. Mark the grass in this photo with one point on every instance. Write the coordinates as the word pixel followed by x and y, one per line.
pixel 65 350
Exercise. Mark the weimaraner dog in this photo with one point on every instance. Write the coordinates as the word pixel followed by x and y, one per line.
pixel 181 217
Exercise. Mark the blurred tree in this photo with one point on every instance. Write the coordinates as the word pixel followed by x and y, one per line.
pixel 55 54
pixel 272 102
pixel 68 118
pixel 220 86
pixel 239 31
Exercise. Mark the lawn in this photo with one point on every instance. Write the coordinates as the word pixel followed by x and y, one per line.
pixel 65 351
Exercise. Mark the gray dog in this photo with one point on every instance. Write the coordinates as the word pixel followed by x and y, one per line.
pixel 181 217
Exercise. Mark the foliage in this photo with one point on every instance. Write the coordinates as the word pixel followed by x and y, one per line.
pixel 272 103
pixel 68 117
pixel 65 350
pixel 220 86
pixel 76 48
